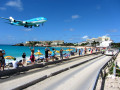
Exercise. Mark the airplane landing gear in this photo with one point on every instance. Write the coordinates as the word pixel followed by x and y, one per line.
pixel 26 26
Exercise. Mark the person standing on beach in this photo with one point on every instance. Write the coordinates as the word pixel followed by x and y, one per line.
pixel 32 57
pixel 85 50
pixel 32 50
pixel 91 51
pixel 76 50
pixel 79 52
pixel 46 54
pixel 24 58
pixel 61 54
pixel 2 60
pixel 38 50
pixel 53 54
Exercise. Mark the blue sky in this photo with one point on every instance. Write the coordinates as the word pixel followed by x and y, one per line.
pixel 68 20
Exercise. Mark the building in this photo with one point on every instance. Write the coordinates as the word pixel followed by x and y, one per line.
pixel 103 41
pixel 45 43
pixel 57 42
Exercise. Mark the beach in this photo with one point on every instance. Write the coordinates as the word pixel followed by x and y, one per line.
pixel 17 51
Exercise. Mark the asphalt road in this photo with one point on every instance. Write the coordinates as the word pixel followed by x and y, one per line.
pixel 78 78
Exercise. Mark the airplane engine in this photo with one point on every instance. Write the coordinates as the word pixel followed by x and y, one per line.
pixel 11 19
pixel 37 25
pixel 24 22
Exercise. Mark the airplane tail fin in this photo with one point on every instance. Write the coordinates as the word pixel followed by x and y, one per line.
pixel 11 19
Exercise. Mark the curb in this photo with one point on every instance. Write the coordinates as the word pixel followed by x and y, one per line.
pixel 30 83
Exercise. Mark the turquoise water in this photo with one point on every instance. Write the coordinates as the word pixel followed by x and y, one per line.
pixel 17 51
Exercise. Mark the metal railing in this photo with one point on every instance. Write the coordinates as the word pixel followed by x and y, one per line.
pixel 102 73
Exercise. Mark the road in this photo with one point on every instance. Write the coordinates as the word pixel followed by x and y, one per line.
pixel 31 76
pixel 78 78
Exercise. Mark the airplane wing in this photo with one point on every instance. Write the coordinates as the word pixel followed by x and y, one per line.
pixel 9 23
pixel 11 18
pixel 5 18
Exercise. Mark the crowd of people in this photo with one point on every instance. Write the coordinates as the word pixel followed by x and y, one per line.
pixel 48 55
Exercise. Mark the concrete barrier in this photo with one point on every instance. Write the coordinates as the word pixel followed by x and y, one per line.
pixel 30 83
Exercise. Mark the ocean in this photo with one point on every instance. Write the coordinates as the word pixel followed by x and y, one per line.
pixel 17 51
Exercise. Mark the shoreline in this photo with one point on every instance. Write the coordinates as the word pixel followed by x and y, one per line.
pixel 61 46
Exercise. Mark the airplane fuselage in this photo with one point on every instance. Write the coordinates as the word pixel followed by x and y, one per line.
pixel 27 23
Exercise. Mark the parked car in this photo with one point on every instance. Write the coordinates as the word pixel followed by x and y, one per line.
pixel 109 52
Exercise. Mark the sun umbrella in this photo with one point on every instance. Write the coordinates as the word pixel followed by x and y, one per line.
pixel 9 57
pixel 38 53
pixel 69 49
pixel 57 51
pixel 50 52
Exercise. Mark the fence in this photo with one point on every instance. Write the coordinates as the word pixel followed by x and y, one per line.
pixel 102 72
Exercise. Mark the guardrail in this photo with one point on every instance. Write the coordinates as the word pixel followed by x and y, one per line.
pixel 102 73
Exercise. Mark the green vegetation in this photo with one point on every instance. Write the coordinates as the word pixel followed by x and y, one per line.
pixel 84 44
pixel 33 43
pixel 115 45
pixel 117 70
pixel 111 69
pixel 94 43
pixel 68 44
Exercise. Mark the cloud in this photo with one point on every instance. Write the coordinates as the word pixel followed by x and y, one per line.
pixel 27 29
pixel 11 37
pixel 71 29
pixel 115 35
pixel 74 38
pixel 106 35
pixel 34 39
pixel 85 37
pixel 15 3
pixel 114 30
pixel 75 16
pixel 71 39
pixel 67 20
pixel 2 8
pixel 98 7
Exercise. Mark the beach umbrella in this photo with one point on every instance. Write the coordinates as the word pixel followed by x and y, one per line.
pixel 69 49
pixel 38 53
pixel 9 57
pixel 57 51
pixel 50 52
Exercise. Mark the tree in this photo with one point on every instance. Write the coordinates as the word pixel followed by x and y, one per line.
pixel 84 44
pixel 94 43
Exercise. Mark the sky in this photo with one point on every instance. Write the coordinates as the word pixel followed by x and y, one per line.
pixel 69 20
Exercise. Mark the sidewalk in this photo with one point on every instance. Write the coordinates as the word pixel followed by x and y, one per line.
pixel 113 83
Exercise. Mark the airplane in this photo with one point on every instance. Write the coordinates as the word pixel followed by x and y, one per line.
pixel 27 23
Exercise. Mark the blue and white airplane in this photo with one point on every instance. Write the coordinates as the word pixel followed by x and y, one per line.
pixel 27 23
